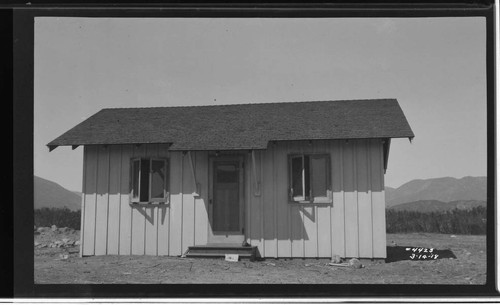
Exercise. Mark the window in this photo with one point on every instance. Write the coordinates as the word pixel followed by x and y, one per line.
pixel 310 178
pixel 149 180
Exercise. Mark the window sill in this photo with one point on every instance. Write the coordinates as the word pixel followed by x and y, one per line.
pixel 147 203
pixel 320 201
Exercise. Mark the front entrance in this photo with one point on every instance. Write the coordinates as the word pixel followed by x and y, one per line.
pixel 226 200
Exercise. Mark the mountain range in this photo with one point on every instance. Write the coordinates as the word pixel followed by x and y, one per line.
pixel 446 189
pixel 48 194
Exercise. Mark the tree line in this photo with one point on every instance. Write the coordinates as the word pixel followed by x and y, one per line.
pixel 456 221
pixel 61 217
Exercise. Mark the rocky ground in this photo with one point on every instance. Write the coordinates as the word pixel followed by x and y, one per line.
pixel 55 237
pixel 57 261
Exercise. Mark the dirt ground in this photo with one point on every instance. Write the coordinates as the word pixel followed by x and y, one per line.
pixel 61 264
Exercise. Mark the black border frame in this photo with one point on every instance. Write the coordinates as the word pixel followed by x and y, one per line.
pixel 20 19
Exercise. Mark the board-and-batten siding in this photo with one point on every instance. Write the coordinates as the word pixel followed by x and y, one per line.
pixel 353 225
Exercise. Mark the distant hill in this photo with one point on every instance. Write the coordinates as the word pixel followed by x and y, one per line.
pixel 438 206
pixel 389 193
pixel 51 195
pixel 445 189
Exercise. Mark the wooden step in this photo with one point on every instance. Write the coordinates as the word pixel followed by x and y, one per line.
pixel 245 255
pixel 221 251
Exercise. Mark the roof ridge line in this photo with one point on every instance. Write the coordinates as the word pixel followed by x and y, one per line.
pixel 246 104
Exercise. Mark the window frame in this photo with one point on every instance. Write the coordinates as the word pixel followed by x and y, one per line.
pixel 166 182
pixel 309 198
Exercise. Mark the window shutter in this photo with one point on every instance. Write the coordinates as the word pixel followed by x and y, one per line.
pixel 158 178
pixel 297 177
pixel 134 181
pixel 144 180
pixel 319 179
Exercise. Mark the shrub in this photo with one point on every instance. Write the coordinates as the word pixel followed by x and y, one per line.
pixel 451 222
pixel 46 217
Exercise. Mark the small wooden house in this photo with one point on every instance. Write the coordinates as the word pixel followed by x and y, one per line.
pixel 300 179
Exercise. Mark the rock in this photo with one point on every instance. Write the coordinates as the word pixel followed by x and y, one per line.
pixel 53 228
pixel 355 263
pixel 453 236
pixel 64 230
pixel 42 246
pixel 37 244
pixel 77 243
pixel 42 229
pixel 336 259
pixel 68 242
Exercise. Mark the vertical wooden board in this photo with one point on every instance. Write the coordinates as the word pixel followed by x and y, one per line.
pixel 362 179
pixel 310 233
pixel 296 220
pixel 274 200
pixel 82 210
pixel 201 202
pixel 114 199
pixel 162 216
pixel 102 201
pixel 151 217
pixel 281 196
pixel 365 232
pixel 337 212
pixel 378 201
pixel 188 212
pixel 163 212
pixel 379 225
pixel 268 204
pixel 364 200
pixel 376 165
pixel 261 204
pixel 350 201
pixel 151 234
pixel 248 197
pixel 255 207
pixel 175 229
pixel 125 208
pixel 297 229
pixel 138 216
pixel 88 242
pixel 138 229
pixel 323 233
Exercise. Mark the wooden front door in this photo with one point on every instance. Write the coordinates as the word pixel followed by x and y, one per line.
pixel 226 200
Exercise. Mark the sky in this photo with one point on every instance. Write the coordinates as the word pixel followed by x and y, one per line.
pixel 434 67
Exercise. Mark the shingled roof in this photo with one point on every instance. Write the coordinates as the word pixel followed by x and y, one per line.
pixel 241 126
